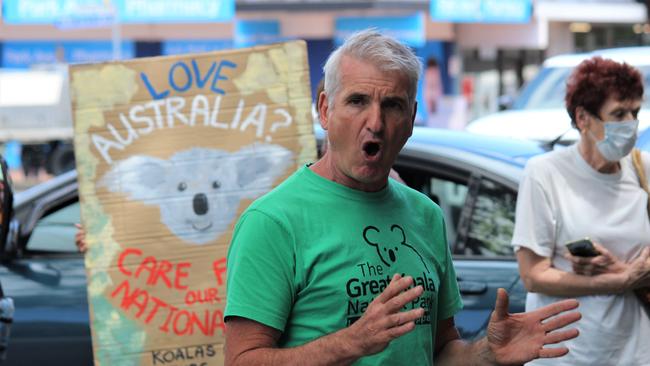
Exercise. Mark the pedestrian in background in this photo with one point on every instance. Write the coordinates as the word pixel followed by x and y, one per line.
pixel 591 189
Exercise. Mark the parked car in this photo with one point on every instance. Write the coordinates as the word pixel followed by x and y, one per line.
pixel 473 178
pixel 44 273
pixel 538 112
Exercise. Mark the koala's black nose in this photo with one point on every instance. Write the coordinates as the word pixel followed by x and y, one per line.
pixel 391 254
pixel 200 204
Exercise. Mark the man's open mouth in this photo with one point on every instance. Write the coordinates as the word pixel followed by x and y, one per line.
pixel 371 149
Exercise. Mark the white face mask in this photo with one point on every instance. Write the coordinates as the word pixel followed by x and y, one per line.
pixel 619 140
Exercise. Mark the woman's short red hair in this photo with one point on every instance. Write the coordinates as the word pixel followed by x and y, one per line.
pixel 595 80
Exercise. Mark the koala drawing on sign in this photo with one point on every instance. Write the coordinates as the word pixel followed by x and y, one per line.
pixel 198 190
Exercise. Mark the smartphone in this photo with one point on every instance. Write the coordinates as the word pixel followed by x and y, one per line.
pixel 582 248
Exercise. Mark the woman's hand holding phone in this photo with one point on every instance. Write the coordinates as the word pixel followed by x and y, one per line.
pixel 590 259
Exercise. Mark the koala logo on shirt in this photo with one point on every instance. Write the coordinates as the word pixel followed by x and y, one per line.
pixel 388 247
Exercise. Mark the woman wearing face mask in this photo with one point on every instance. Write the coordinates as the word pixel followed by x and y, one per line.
pixel 590 190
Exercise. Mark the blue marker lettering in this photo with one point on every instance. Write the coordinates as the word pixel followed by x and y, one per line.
pixel 217 76
pixel 188 83
pixel 152 91
pixel 201 82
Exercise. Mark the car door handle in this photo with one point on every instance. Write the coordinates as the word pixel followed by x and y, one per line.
pixel 472 287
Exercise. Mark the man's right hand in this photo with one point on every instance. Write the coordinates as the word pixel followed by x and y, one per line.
pixel 384 319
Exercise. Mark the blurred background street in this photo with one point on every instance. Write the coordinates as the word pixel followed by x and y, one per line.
pixel 478 54
pixel 490 98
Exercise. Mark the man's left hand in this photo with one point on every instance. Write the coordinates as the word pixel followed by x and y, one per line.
pixel 515 339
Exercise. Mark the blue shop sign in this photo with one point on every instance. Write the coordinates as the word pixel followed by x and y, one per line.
pixel 23 54
pixel 408 29
pixel 128 11
pixel 49 11
pixel 95 51
pixel 481 11
pixel 254 32
pixel 178 47
pixel 174 11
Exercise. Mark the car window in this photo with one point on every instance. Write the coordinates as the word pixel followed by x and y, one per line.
pixel 479 212
pixel 56 231
pixel 446 189
pixel 450 196
pixel 547 89
pixel 491 224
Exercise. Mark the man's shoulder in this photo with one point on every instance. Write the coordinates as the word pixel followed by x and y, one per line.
pixel 417 198
pixel 409 192
pixel 285 191
pixel 294 181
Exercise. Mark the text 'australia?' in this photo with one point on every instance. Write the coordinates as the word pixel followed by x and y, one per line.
pixel 207 105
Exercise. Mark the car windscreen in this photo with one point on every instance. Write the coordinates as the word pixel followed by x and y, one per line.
pixel 547 89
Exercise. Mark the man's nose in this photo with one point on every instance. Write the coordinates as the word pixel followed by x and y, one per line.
pixel 375 119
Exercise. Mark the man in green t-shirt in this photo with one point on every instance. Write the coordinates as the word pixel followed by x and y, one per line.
pixel 342 265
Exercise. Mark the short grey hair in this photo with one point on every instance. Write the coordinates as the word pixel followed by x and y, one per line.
pixel 384 52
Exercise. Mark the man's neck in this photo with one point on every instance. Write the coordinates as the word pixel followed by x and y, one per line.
pixel 326 168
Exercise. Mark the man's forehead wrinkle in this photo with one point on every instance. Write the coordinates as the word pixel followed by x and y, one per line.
pixel 373 89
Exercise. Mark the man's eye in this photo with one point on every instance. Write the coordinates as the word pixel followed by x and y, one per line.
pixel 394 105
pixel 356 101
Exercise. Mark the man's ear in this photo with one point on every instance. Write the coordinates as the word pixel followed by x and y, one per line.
pixel 322 110
pixel 413 114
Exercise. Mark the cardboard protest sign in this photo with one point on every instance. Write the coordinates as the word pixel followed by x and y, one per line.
pixel 170 150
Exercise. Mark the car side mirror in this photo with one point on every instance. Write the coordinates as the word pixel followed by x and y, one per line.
pixel 6 205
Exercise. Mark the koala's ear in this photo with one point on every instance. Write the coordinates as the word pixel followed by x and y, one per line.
pixel 138 176
pixel 259 165
pixel 365 235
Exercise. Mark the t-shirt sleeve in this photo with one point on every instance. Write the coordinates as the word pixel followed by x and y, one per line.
pixel 535 223
pixel 260 282
pixel 449 300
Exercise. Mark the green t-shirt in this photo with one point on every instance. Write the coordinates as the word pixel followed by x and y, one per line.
pixel 308 258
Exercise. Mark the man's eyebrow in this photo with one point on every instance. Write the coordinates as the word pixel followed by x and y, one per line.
pixel 395 98
pixel 356 95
